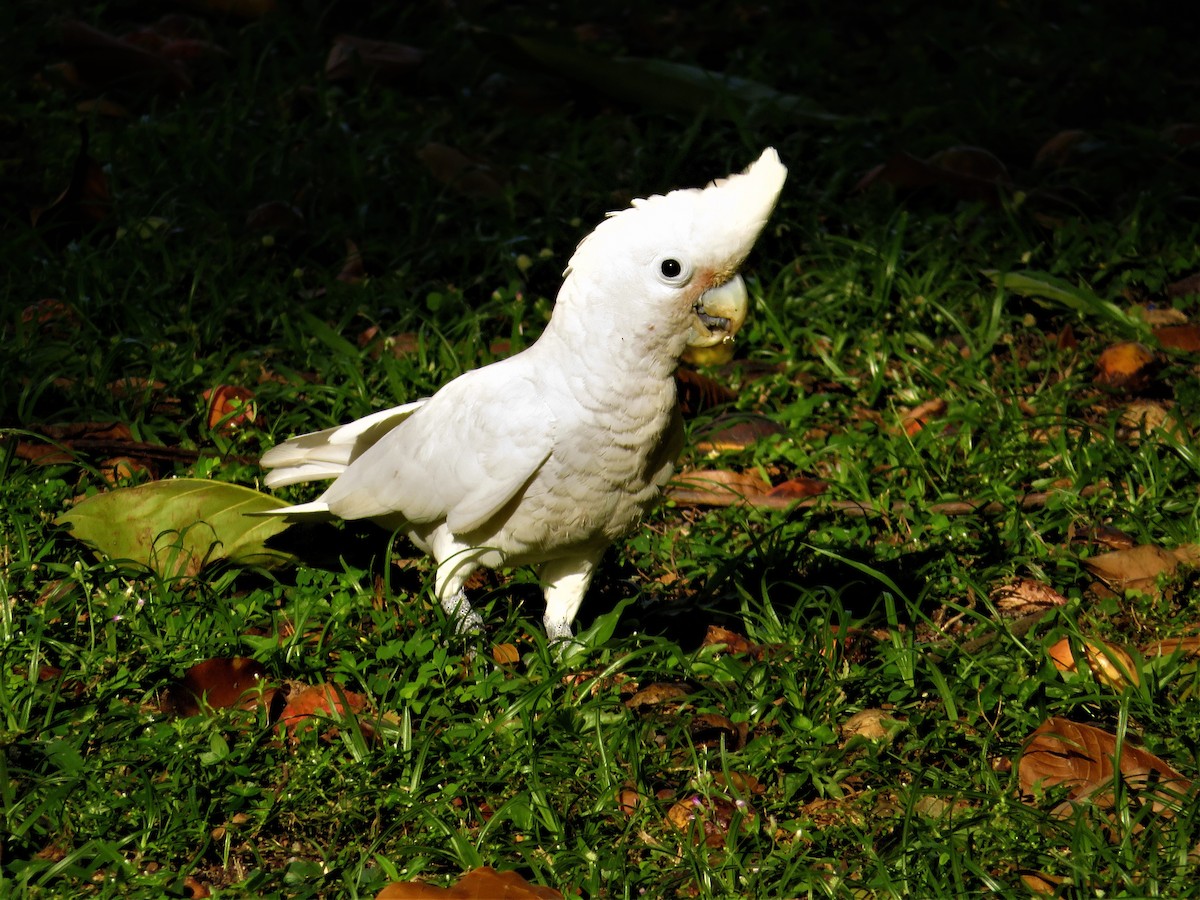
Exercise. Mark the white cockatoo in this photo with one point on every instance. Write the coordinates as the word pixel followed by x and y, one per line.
pixel 547 457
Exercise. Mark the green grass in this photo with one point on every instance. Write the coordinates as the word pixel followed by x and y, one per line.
pixel 867 304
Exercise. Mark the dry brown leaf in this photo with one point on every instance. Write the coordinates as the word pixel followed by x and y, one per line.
pixel 1026 596
pixel 711 730
pixel 353 271
pixel 275 216
pixel 86 200
pixel 871 724
pixel 101 60
pixel 230 407
pixel 1136 569
pixel 970 173
pixel 708 819
pixel 715 487
pixel 1189 645
pixel 734 643
pixel 386 60
pixel 1081 758
pixel 1127 365
pixel 1110 664
pixel 922 415
pixel 1185 338
pixel 219 683
pixel 506 654
pixel 470 177
pixel 658 693
pixel 797 489
pixel 196 889
pixel 324 701
pixel 479 884
pixel 244 9
pixel 1184 287
pixel 1055 152
pixel 1042 884
pixel 737 433
pixel 699 392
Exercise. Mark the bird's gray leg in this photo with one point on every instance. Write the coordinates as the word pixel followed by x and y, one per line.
pixel 564 583
pixel 448 585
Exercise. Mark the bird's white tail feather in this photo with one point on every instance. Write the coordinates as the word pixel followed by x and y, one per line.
pixel 326 454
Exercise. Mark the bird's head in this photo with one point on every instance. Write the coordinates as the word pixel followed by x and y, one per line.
pixel 668 264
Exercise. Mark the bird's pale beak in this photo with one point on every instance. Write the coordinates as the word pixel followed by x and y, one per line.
pixel 720 312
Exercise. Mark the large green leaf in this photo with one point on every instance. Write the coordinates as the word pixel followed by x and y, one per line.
pixel 177 525
pixel 1041 286
pixel 660 84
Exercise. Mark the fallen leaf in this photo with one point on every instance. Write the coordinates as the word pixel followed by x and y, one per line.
pixel 102 60
pixel 1127 365
pixel 385 60
pixel 1058 149
pixel 737 432
pixel 1110 664
pixel 712 730
pixel 715 487
pixel 352 271
pixel 324 701
pixel 230 407
pixel 1082 758
pixel 1185 338
pixel 469 177
pixel 660 84
pixel 1188 645
pixel 506 654
pixel 176 526
pixel 1026 596
pixel 698 392
pixel 86 200
pixel 708 820
pixel 479 884
pixel 1136 569
pixel 1184 287
pixel 1042 884
pixel 870 724
pixel 733 643
pixel 657 694
pixel 276 217
pixel 922 415
pixel 196 889
pixel 970 173
pixel 218 684
pixel 796 489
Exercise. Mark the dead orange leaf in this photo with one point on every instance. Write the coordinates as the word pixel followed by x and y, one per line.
pixel 1184 287
pixel 230 407
pixel 1110 664
pixel 699 392
pixel 970 173
pixel 733 642
pixel 506 654
pixel 219 683
pixel 657 694
pixel 715 487
pixel 1127 365
pixel 383 59
pixel 1026 596
pixel 1084 759
pixel 1185 338
pixel 479 884
pixel 1189 645
pixel 922 415
pixel 324 701
pixel 353 271
pixel 470 177
pixel 1059 148
pixel 1136 569
pixel 709 819
pixel 737 433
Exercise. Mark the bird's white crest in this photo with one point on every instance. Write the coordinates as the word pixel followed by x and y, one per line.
pixel 546 457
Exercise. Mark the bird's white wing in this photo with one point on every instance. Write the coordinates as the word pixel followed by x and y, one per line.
pixel 461 457
pixel 326 454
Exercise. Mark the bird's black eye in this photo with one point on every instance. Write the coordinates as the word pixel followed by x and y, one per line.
pixel 671 268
